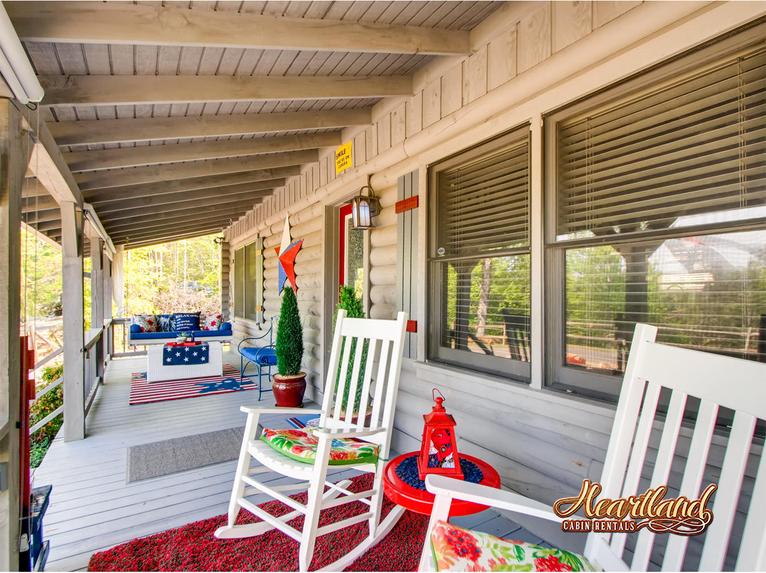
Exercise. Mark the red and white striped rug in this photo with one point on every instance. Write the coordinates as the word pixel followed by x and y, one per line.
pixel 143 392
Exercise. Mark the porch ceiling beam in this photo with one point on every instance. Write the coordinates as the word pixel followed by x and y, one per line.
pixel 191 207
pixel 155 173
pixel 109 194
pixel 104 209
pixel 120 228
pixel 175 217
pixel 169 234
pixel 47 164
pixel 82 22
pixel 118 130
pixel 159 154
pixel 157 240
pixel 129 90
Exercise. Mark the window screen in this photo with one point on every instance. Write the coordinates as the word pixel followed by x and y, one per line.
pixel 480 257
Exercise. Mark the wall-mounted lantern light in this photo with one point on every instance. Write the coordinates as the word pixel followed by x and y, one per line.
pixel 364 208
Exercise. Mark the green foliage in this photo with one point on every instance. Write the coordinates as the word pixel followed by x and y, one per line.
pixel 41 440
pixel 182 276
pixel 352 304
pixel 289 346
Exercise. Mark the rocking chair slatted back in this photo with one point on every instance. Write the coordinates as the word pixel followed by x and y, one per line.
pixel 358 344
pixel 714 382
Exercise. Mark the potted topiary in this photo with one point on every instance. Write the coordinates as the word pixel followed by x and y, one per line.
pixel 290 384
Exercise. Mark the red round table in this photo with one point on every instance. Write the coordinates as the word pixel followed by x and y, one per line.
pixel 421 501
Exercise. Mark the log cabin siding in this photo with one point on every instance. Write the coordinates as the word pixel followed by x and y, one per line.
pixel 542 442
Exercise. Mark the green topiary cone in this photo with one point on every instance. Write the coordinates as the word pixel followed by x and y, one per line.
pixel 289 347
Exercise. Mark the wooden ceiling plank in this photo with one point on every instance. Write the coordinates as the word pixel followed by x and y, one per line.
pixel 165 222
pixel 181 233
pixel 229 192
pixel 151 242
pixel 192 207
pixel 130 90
pixel 170 219
pixel 158 154
pixel 123 23
pixel 108 194
pixel 151 174
pixel 157 128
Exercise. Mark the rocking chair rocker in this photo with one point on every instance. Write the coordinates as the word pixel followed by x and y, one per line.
pixel 374 341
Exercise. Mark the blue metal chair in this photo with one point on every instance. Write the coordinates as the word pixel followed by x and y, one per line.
pixel 263 357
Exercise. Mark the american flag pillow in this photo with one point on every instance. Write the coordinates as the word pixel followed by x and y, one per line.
pixel 211 321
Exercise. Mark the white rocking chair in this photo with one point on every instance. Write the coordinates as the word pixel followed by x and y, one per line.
pixel 383 340
pixel 718 382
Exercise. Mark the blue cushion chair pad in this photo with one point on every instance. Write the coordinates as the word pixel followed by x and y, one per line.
pixel 171 335
pixel 265 356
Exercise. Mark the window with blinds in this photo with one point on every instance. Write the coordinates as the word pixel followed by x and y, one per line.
pixel 657 213
pixel 480 257
pixel 696 146
pixel 239 282
pixel 248 281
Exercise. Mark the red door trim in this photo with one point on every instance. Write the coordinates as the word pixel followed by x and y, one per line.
pixel 344 212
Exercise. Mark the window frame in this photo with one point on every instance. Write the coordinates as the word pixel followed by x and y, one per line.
pixel 241 290
pixel 504 369
pixel 557 374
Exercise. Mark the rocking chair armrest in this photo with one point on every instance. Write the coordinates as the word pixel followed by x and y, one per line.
pixel 442 486
pixel 339 434
pixel 278 410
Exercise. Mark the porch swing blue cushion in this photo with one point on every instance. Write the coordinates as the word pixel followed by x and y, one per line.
pixel 263 356
pixel 136 334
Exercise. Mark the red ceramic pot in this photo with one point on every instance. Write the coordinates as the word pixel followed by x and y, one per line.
pixel 289 390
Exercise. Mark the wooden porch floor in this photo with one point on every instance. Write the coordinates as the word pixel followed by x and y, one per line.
pixel 94 508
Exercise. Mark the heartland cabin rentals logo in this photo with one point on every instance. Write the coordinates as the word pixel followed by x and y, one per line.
pixel 681 515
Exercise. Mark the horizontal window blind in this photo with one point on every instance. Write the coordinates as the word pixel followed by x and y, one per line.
pixel 481 263
pixel 239 282
pixel 695 146
pixel 252 277
pixel 484 203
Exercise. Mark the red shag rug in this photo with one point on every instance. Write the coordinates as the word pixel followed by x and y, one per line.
pixel 194 548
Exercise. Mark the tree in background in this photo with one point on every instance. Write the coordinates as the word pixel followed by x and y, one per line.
pixel 183 276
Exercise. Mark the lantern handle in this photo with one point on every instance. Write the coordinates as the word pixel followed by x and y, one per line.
pixel 436 391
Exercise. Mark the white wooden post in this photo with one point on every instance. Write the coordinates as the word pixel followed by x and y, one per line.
pixel 537 252
pixel 107 307
pixel 13 161
pixel 96 282
pixel 72 297
pixel 118 287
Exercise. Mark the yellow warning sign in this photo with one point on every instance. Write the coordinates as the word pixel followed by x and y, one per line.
pixel 344 158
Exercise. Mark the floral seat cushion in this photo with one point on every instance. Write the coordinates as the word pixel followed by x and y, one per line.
pixel 302 447
pixel 458 549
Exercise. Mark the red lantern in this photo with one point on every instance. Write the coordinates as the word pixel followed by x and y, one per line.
pixel 438 450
